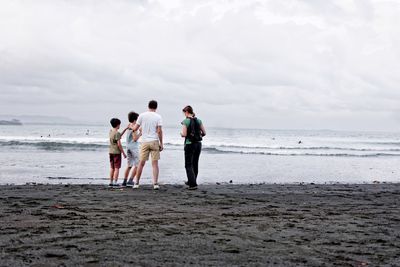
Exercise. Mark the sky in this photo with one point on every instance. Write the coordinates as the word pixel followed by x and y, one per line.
pixel 295 64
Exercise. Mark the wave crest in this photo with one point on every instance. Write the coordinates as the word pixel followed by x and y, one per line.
pixel 323 151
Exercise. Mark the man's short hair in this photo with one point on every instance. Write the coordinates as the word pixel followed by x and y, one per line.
pixel 153 104
pixel 132 116
pixel 115 122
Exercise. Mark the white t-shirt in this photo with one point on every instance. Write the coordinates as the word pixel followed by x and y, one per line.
pixel 149 122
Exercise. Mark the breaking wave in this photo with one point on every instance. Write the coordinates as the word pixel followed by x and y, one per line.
pixel 300 150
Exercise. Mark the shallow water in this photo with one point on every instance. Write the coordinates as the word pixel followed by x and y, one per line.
pixel 66 154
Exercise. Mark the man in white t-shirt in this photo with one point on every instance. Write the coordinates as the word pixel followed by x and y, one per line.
pixel 151 141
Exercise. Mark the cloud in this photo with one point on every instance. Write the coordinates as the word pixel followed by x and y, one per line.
pixel 268 63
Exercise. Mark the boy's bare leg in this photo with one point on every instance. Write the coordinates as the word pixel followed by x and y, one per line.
pixel 156 171
pixel 111 176
pixel 116 174
pixel 127 171
pixel 139 171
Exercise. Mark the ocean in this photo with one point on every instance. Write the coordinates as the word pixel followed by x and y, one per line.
pixel 78 154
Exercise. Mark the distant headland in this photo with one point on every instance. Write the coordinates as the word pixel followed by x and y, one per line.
pixel 12 119
pixel 10 122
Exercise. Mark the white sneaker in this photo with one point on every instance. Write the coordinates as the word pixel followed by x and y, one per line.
pixel 135 186
pixel 156 187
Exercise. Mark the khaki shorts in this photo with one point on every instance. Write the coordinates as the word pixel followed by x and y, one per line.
pixel 148 148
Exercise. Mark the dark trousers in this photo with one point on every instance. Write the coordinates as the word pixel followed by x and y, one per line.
pixel 192 155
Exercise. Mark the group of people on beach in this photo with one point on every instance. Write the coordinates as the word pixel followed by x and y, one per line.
pixel 144 138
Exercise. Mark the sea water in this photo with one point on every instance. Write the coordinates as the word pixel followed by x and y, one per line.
pixel 79 154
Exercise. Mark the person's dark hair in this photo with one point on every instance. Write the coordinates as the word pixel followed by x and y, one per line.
pixel 115 122
pixel 188 109
pixel 153 104
pixel 132 116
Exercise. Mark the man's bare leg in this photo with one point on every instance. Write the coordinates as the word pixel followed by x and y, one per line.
pixel 134 172
pixel 139 171
pixel 156 171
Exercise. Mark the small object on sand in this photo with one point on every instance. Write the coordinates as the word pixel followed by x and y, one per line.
pixel 230 181
pixel 57 206
pixel 300 142
pixel 376 182
pixel 218 183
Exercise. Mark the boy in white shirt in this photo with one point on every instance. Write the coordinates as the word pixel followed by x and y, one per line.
pixel 132 148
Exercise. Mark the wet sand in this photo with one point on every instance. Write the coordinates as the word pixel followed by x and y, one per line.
pixel 218 225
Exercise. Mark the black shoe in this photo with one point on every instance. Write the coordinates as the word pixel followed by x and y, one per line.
pixel 110 185
pixel 123 184
pixel 187 183
pixel 192 188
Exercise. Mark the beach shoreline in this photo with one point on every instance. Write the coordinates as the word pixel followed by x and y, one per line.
pixel 226 224
pixel 104 182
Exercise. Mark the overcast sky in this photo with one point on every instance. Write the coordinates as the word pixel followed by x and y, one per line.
pixel 306 64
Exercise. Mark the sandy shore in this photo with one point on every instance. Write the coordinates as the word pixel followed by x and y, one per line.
pixel 218 225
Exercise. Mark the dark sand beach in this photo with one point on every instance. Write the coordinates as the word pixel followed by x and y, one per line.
pixel 218 225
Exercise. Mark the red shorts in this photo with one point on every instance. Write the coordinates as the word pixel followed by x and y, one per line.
pixel 115 161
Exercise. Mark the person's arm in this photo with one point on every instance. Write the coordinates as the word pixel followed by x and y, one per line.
pixel 121 148
pixel 127 127
pixel 203 130
pixel 184 130
pixel 136 136
pixel 136 127
pixel 160 137
pixel 138 123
